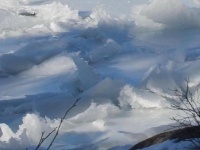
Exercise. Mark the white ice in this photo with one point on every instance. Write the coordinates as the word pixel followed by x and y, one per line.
pixel 122 58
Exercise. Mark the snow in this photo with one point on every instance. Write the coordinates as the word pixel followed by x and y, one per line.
pixel 122 58
pixel 87 77
pixel 170 14
pixel 136 99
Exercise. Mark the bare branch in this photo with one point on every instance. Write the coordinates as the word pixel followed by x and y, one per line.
pixel 57 129
pixel 190 106
pixel 42 139
pixel 61 121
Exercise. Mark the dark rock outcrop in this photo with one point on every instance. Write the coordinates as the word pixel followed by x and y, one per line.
pixel 177 135
pixel 27 14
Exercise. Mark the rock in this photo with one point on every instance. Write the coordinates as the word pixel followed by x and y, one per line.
pixel 177 135
pixel 30 14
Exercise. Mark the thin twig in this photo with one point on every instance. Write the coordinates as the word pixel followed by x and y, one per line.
pixel 61 121
pixel 190 106
pixel 42 139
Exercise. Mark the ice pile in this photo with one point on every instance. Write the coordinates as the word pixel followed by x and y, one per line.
pixel 168 14
pixel 123 70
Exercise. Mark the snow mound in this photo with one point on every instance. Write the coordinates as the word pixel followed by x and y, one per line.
pixel 61 17
pixel 57 12
pixel 99 15
pixel 167 13
pixel 161 82
pixel 60 102
pixel 192 73
pixel 87 77
pixel 37 52
pixel 15 16
pixel 58 64
pixel 12 64
pixel 105 89
pixel 28 133
pixel 110 49
pixel 133 98
pixel 93 34
pixel 30 55
pixel 96 112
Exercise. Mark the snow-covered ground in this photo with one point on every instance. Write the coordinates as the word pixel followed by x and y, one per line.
pixel 120 57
